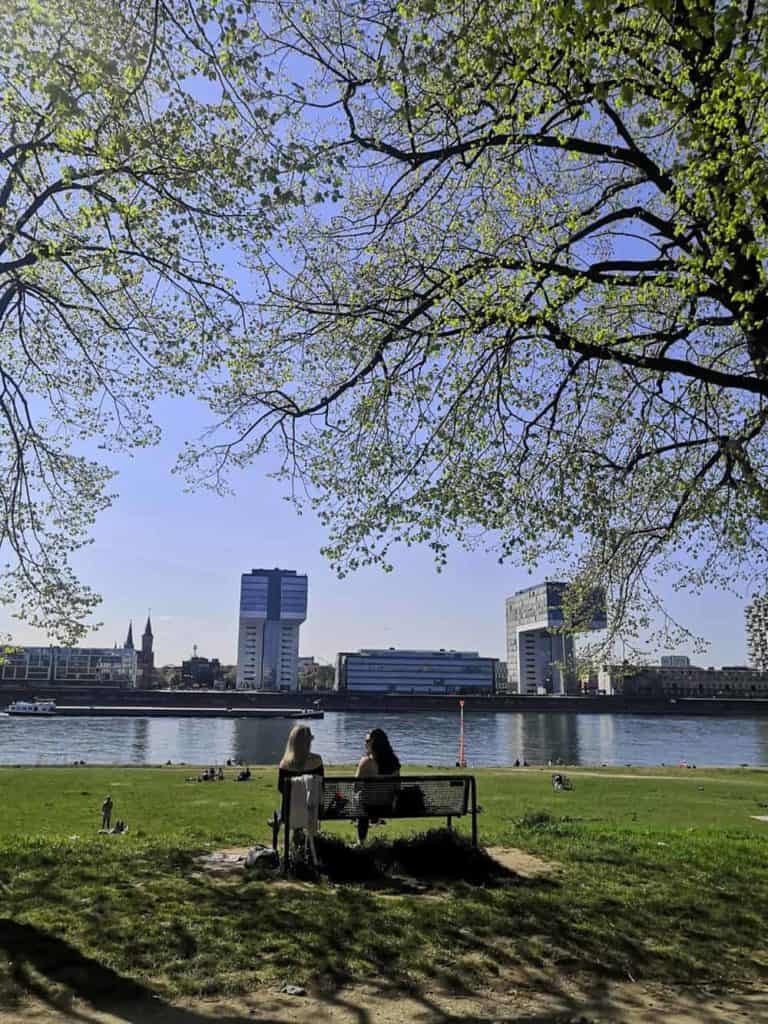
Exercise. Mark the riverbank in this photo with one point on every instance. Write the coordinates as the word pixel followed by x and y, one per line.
pixel 647 880
pixel 332 700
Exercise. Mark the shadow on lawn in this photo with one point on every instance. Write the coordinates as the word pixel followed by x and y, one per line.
pixel 48 969
pixel 459 938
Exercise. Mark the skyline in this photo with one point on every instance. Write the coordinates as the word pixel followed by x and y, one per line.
pixel 182 556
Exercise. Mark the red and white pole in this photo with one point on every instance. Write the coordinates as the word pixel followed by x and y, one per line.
pixel 461 763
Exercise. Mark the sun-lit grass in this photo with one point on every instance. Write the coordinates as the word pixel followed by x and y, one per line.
pixel 659 878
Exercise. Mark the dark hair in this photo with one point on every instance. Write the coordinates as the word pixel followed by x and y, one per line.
pixel 382 752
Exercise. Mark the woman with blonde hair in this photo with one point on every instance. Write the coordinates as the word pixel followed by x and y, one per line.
pixel 298 758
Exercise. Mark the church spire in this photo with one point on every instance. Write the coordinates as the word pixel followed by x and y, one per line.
pixel 129 638
pixel 146 658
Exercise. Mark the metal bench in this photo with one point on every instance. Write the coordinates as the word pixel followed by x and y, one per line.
pixel 347 798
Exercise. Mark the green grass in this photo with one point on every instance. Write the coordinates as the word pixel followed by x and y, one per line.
pixel 665 879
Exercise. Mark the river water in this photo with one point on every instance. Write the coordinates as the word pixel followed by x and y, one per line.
pixel 491 739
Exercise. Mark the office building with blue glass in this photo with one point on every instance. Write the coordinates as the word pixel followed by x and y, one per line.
pixel 415 672
pixel 273 605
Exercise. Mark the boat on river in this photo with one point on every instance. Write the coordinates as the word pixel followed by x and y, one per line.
pixel 39 708
pixel 32 708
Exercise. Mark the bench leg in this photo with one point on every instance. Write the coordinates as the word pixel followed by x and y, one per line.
pixel 274 824
pixel 473 796
pixel 449 821
pixel 287 836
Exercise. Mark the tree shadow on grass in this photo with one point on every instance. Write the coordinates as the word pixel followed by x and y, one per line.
pixel 51 970
pixel 501 909
pixel 468 935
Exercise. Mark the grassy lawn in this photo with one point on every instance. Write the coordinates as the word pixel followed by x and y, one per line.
pixel 661 878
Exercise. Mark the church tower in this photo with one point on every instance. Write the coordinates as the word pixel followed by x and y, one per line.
pixel 129 638
pixel 145 657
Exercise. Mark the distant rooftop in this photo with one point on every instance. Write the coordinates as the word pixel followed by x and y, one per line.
pixel 430 652
pixel 538 586
pixel 285 572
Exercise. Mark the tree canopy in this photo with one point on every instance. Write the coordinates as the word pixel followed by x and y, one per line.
pixel 485 271
pixel 530 307
pixel 133 161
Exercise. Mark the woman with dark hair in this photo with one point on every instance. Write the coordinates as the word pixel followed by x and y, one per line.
pixel 379 760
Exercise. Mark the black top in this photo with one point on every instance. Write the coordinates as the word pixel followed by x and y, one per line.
pixel 294 773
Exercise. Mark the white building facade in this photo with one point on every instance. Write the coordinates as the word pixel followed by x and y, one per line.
pixel 273 605
pixel 540 652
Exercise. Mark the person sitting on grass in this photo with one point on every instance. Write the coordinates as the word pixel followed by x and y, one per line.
pixel 379 759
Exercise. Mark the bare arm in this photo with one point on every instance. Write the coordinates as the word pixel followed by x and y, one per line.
pixel 366 767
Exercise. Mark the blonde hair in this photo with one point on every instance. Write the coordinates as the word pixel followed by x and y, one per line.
pixel 297 748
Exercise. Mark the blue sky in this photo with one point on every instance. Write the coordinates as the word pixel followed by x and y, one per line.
pixel 182 556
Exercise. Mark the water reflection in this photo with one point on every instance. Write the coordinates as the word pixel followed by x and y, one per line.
pixel 261 741
pixel 762 740
pixel 140 740
pixel 427 739
pixel 544 739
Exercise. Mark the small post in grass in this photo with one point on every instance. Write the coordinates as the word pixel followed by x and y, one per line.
pixel 461 763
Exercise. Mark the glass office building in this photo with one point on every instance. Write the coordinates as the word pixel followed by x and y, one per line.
pixel 72 666
pixel 415 672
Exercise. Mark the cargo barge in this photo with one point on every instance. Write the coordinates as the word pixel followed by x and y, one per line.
pixel 138 711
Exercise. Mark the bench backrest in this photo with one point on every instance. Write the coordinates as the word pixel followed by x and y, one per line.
pixel 394 796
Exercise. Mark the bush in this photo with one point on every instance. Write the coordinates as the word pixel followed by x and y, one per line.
pixel 436 854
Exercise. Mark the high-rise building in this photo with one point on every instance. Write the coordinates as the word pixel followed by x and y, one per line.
pixel 757 632
pixel 540 649
pixel 273 605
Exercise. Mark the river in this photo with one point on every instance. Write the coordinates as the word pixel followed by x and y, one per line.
pixel 492 739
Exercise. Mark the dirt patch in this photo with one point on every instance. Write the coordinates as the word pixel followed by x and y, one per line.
pixel 221 865
pixel 231 861
pixel 523 863
pixel 228 864
pixel 545 1000
pixel 224 862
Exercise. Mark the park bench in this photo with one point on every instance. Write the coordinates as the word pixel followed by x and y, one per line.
pixel 347 798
